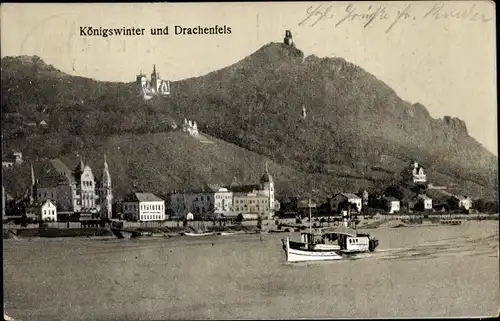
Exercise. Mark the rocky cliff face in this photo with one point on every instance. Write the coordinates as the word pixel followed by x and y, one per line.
pixel 455 124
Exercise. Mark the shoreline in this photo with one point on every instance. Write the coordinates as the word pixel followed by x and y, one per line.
pixel 381 222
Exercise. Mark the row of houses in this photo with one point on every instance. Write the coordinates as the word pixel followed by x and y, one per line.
pixel 78 191
pixel 213 200
pixel 57 190
pixel 209 201
pixel 360 202
pixel 15 158
pixel 46 211
pixel 423 200
pixel 420 202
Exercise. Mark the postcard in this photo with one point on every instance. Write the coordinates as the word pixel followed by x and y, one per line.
pixel 286 160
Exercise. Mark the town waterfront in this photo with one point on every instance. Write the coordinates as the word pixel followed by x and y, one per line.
pixel 416 272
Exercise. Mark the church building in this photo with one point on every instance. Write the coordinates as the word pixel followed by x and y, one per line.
pixel 76 191
pixel 258 199
pixel 213 200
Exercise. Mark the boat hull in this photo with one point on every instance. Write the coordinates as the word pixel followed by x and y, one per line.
pixel 227 233
pixel 307 255
pixel 198 234
pixel 124 234
pixel 326 247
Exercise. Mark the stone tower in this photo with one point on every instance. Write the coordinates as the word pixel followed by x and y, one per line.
pixel 288 40
pixel 106 193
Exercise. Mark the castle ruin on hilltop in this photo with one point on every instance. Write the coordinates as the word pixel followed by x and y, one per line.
pixel 288 40
pixel 155 86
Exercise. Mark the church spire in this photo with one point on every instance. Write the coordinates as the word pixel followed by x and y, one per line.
pixel 32 189
pixel 106 177
pixel 105 162
pixel 106 192
pixel 32 176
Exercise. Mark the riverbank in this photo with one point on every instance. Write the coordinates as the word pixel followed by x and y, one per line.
pixel 284 225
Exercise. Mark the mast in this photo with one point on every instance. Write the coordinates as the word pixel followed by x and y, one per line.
pixel 349 215
pixel 310 217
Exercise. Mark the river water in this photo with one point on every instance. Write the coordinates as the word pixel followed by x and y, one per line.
pixel 436 271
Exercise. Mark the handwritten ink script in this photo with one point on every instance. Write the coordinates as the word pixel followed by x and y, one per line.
pixel 367 16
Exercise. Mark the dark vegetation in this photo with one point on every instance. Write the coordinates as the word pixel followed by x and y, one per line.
pixel 358 132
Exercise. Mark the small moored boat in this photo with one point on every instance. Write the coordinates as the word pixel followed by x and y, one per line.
pixel 227 233
pixel 125 234
pixel 199 234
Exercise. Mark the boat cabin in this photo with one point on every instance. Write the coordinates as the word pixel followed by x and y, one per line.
pixel 344 239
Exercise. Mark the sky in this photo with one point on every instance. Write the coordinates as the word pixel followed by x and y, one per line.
pixel 441 54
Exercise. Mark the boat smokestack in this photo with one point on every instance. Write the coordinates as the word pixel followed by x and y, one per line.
pixel 344 217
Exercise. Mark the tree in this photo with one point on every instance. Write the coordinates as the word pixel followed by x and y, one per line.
pixel 24 220
pixel 345 205
pixel 452 204
pixel 395 191
pixel 480 205
pixel 491 207
pixel 375 201
pixel 419 206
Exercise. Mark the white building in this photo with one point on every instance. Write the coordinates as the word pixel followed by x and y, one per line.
pixel 48 211
pixel 267 189
pixel 75 191
pixel 7 164
pixel 84 195
pixel 252 199
pixel 210 201
pixel 223 201
pixel 213 200
pixel 349 197
pixel 426 200
pixel 190 127
pixel 18 156
pixel 463 201
pixel 144 207
pixel 418 173
pixel 393 204
pixel 251 203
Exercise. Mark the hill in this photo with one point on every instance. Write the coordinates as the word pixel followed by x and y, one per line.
pixel 357 133
pixel 162 162
pixel 352 117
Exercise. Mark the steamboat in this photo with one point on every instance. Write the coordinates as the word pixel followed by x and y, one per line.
pixel 331 243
